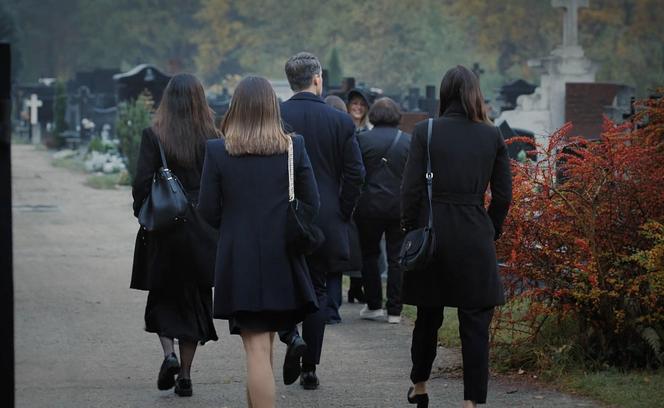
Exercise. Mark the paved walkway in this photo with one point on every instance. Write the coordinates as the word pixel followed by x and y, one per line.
pixel 79 328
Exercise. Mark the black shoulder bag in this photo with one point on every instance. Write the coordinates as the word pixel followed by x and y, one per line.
pixel 302 236
pixel 386 156
pixel 418 245
pixel 167 202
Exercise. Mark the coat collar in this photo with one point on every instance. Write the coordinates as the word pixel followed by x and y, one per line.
pixel 455 108
pixel 306 96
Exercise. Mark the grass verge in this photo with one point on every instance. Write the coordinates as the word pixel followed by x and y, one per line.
pixel 70 163
pixel 103 181
pixel 630 389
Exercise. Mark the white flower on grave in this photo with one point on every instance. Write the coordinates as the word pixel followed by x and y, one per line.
pixel 129 123
pixel 87 124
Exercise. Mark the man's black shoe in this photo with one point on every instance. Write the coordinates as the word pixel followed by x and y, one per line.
pixel 309 380
pixel 169 368
pixel 294 353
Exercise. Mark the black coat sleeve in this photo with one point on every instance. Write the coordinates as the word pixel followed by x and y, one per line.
pixel 306 188
pixel 413 186
pixel 501 187
pixel 352 176
pixel 147 164
pixel 209 197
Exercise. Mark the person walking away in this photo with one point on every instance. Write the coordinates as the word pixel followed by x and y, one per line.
pixel 174 265
pixel 336 102
pixel 384 152
pixel 354 267
pixel 467 155
pixel 260 287
pixel 337 163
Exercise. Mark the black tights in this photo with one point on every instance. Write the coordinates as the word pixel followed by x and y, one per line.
pixel 187 351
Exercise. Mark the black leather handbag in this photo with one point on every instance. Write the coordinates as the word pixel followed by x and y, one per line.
pixel 167 202
pixel 302 236
pixel 419 244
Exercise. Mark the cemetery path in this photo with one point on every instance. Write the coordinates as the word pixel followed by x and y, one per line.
pixel 79 328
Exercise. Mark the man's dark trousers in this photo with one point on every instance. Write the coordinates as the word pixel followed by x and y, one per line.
pixel 313 327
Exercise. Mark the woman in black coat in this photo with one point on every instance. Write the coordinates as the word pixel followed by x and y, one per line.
pixel 259 287
pixel 467 155
pixel 384 152
pixel 174 264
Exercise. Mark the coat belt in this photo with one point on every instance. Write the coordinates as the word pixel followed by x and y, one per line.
pixel 458 198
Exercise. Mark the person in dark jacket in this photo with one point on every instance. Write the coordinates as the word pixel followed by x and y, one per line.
pixel 384 152
pixel 467 155
pixel 329 136
pixel 358 109
pixel 259 287
pixel 174 265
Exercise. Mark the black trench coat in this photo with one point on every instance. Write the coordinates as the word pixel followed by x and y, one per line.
pixel 466 157
pixel 167 260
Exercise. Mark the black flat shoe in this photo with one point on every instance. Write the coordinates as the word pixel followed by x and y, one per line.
pixel 309 380
pixel 292 367
pixel 183 387
pixel 169 368
pixel 422 400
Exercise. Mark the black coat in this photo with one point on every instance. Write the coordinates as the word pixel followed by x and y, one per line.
pixel 466 157
pixel 381 194
pixel 337 163
pixel 165 260
pixel 247 198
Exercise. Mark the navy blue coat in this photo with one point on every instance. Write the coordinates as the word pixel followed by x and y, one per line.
pixel 329 136
pixel 246 197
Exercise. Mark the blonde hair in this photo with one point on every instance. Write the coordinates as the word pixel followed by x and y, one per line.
pixel 252 124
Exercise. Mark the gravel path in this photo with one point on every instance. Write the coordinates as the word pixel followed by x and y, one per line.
pixel 79 328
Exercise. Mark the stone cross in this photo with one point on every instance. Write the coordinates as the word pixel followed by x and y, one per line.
pixel 571 20
pixel 33 104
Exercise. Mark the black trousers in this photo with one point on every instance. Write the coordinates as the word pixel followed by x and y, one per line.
pixel 313 326
pixel 371 231
pixel 474 332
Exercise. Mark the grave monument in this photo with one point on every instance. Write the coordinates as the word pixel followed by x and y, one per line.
pixel 544 111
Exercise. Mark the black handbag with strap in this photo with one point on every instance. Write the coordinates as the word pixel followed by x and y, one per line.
pixel 302 236
pixel 167 202
pixel 419 244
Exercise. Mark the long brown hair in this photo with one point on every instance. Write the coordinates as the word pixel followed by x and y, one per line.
pixel 252 124
pixel 462 86
pixel 184 121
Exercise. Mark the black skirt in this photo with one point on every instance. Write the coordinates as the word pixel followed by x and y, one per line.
pixel 268 321
pixel 183 315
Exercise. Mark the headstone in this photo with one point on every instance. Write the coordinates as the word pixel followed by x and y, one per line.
pixel 33 104
pixel 544 111
pixel 587 104
pixel 130 84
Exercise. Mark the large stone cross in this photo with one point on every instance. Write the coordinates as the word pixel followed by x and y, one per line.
pixel 33 104
pixel 571 20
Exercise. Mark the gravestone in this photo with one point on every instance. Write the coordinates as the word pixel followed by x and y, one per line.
pixel 544 111
pixel 33 104
pixel 129 85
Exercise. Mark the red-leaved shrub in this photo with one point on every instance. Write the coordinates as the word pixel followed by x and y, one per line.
pixel 584 242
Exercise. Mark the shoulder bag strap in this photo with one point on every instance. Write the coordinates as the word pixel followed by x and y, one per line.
pixel 386 160
pixel 291 176
pixel 389 149
pixel 163 156
pixel 429 174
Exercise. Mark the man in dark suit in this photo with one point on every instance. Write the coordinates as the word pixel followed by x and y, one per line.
pixel 329 137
